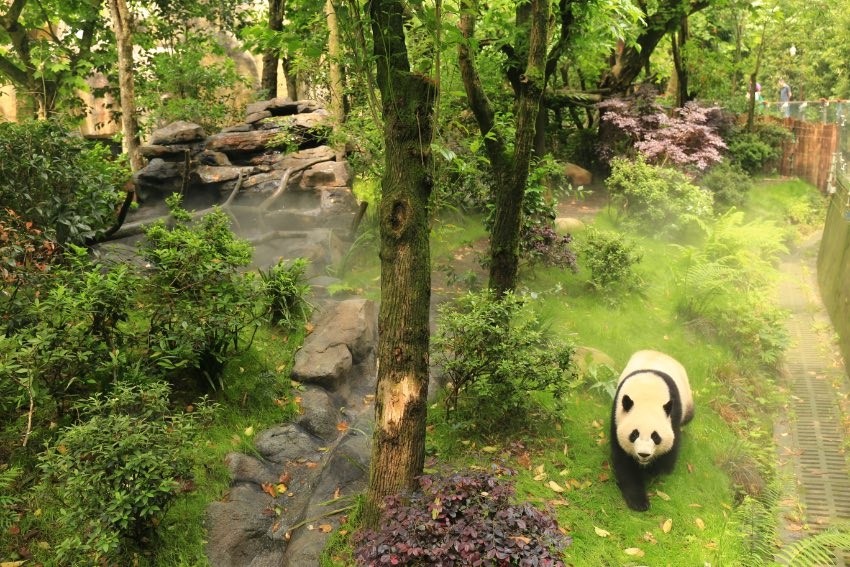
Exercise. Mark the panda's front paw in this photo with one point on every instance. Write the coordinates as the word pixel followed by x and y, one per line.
pixel 638 504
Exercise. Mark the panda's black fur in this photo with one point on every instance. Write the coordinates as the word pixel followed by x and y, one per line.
pixel 650 384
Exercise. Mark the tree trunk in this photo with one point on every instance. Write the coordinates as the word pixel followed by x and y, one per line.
pixel 291 79
pixel 268 81
pixel 510 170
pixel 398 442
pixel 335 82
pixel 627 63
pixel 678 42
pixel 122 27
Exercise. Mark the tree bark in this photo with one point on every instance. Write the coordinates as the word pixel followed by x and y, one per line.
pixel 336 85
pixel 510 169
pixel 627 63
pixel 291 78
pixel 122 26
pixel 268 81
pixel 678 42
pixel 398 442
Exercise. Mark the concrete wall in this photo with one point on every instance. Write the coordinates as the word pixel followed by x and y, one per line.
pixel 834 264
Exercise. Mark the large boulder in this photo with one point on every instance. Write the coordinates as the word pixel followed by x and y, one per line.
pixel 180 132
pixel 577 175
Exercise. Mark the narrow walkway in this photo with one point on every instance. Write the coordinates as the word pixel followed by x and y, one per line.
pixel 812 448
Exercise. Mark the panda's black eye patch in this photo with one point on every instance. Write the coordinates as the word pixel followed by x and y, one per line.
pixel 634 435
pixel 656 437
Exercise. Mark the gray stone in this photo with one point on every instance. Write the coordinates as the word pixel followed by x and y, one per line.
pixel 326 366
pixel 178 133
pixel 257 116
pixel 286 443
pixel 327 173
pixel 236 529
pixel 320 416
pixel 158 169
pixel 220 174
pixel 253 141
pixel 171 152
pixel 245 468
pixel 208 157
pixel 237 128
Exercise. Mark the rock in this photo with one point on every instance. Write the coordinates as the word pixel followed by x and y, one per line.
pixel 236 530
pixel 568 225
pixel 286 443
pixel 326 366
pixel 208 157
pixel 254 141
pixel 220 174
pixel 169 152
pixel 178 133
pixel 302 157
pixel 159 170
pixel 321 415
pixel 257 116
pixel 245 468
pixel 327 173
pixel 237 128
pixel 577 176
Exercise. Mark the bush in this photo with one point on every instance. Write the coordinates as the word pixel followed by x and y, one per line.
pixel 758 151
pixel 541 244
pixel 461 520
pixel 57 181
pixel 287 293
pixel 113 475
pixel 657 200
pixel 729 184
pixel 611 260
pixel 198 301
pixel 494 353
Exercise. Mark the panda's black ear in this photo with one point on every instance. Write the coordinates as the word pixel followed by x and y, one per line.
pixel 668 407
pixel 627 403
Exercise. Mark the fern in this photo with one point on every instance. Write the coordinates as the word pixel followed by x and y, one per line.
pixel 818 549
pixel 8 501
pixel 754 521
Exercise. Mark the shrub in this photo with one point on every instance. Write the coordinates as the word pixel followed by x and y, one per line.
pixel 638 125
pixel 57 181
pixel 657 200
pixel 611 259
pixel 198 301
pixel 729 184
pixel 541 244
pixel 461 520
pixel 114 474
pixel 759 150
pixel 9 501
pixel 287 293
pixel 494 353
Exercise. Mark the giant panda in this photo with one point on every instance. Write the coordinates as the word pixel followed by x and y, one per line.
pixel 652 402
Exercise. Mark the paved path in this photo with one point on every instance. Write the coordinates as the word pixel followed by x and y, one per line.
pixel 811 440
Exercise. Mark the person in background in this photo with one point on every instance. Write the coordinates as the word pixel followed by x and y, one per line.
pixel 785 98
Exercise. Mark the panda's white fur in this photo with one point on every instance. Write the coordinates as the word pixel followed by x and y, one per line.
pixel 653 400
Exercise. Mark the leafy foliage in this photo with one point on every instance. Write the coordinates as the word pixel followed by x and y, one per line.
pixel 657 200
pixel 114 473
pixel 287 292
pixel 728 292
pixel 202 302
pixel 58 182
pixel 818 549
pixel 728 183
pixel 494 352
pixel 465 519
pixel 611 259
pixel 758 151
pixel 640 126
pixel 8 499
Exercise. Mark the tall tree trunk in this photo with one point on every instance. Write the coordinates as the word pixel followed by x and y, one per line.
pixel 268 81
pixel 751 107
pixel 678 42
pixel 510 169
pixel 291 78
pixel 627 63
pixel 122 27
pixel 398 442
pixel 336 85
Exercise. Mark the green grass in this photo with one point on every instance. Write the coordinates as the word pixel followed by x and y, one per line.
pixel 257 395
pixel 693 519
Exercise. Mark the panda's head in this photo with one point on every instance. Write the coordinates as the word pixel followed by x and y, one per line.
pixel 642 417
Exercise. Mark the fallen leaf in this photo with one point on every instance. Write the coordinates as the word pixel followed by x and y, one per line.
pixel 368 398
pixel 634 551
pixel 280 368
pixel 524 540
pixel 555 486
pixel 249 431
pixel 600 532
pixel 662 495
pixel 667 525
pixel 269 489
pixel 336 493
pixel 603 476
pixel 648 537
pixel 540 469
pixel 12 563
pixel 311 464
pixel 342 426
pixel 524 460
pixel 281 488
pixel 489 449
pixel 309 328
pixel 690 468
pixel 325 528
pixel 284 477
pixel 541 476
pixel 700 524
